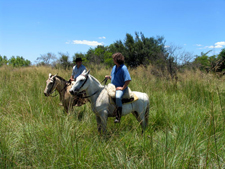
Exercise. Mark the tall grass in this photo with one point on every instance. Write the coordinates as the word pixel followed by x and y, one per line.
pixel 186 124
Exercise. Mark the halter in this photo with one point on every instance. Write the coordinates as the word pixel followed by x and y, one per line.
pixel 55 89
pixel 52 87
pixel 84 81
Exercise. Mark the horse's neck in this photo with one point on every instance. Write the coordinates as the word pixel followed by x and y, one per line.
pixel 60 87
pixel 93 87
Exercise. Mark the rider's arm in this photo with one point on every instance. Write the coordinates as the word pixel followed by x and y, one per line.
pixel 124 86
pixel 71 78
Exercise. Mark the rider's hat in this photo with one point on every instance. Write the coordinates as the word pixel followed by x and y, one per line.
pixel 77 60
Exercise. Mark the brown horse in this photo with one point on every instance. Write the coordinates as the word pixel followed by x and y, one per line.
pixel 62 86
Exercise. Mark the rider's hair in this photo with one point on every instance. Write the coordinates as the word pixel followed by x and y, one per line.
pixel 118 57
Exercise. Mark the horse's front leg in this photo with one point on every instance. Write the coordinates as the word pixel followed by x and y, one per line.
pixel 98 119
pixel 66 109
pixel 102 121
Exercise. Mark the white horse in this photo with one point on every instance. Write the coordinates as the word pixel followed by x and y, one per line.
pixel 101 104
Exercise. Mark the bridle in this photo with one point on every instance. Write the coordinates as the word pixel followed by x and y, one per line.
pixel 55 89
pixel 84 81
pixel 53 84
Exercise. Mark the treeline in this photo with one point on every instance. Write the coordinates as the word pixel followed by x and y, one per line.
pixel 205 61
pixel 17 61
pixel 137 50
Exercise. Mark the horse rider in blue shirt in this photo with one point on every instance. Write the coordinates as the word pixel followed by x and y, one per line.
pixel 77 69
pixel 120 77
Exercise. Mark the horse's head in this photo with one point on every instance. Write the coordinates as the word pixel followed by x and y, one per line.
pixel 81 83
pixel 50 85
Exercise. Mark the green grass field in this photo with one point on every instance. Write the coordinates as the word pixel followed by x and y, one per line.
pixel 186 124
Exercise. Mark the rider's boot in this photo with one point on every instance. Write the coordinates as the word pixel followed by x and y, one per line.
pixel 118 115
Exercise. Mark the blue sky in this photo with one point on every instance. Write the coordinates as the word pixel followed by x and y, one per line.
pixel 35 27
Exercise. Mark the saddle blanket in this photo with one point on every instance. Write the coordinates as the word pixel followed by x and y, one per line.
pixel 125 101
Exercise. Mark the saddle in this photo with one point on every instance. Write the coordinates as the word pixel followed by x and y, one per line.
pixel 128 96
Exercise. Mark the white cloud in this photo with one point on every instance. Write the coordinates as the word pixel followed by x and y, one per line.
pixel 217 45
pixel 198 45
pixel 220 43
pixel 103 37
pixel 86 42
pixel 166 46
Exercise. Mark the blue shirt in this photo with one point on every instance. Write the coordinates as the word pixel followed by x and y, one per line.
pixel 120 75
pixel 77 71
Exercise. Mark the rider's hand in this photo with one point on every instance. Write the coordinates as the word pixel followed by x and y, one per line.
pixel 107 76
pixel 119 88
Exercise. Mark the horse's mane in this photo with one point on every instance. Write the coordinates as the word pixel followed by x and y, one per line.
pixel 96 80
pixel 61 78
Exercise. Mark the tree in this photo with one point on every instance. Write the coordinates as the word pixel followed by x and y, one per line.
pixel 46 59
pixel 99 52
pixel 222 54
pixel 64 61
pixel 19 62
pixel 108 59
pixel 3 60
pixel 218 64
pixel 80 55
pixel 91 57
pixel 203 60
pixel 96 55
pixel 141 50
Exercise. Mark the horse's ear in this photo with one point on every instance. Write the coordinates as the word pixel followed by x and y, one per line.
pixel 85 72
pixel 49 75
pixel 53 77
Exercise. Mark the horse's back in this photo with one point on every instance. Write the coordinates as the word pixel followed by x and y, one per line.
pixel 141 96
pixel 143 99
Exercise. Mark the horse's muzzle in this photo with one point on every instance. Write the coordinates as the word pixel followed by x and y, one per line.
pixel 46 94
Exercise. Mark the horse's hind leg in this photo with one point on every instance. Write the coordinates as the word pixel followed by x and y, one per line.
pixel 141 119
pixel 99 127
